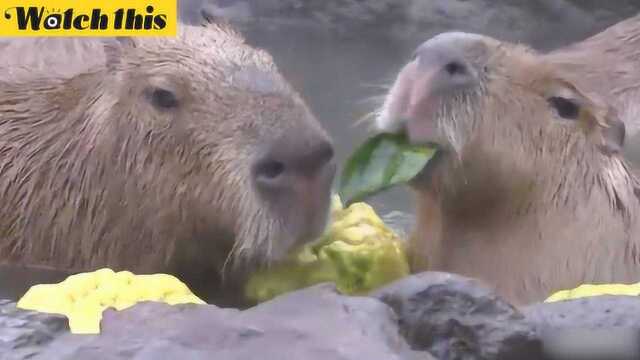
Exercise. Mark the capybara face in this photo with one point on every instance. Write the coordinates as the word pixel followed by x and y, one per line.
pixel 243 145
pixel 192 146
pixel 481 99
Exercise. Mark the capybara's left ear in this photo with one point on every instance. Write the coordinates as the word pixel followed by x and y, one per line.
pixel 114 49
pixel 601 121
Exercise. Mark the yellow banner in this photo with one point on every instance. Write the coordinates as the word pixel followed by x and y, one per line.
pixel 88 18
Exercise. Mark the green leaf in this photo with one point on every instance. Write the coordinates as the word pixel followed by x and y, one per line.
pixel 381 162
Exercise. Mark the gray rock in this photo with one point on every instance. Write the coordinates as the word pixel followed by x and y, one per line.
pixel 600 327
pixel 449 316
pixel 593 312
pixel 24 333
pixel 315 323
pixel 454 317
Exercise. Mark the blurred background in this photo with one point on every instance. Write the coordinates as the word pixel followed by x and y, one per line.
pixel 342 54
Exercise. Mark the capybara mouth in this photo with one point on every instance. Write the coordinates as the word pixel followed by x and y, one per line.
pixel 315 207
pixel 430 141
pixel 302 208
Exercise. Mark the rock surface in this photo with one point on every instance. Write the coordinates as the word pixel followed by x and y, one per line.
pixel 25 333
pixel 422 317
pixel 600 327
pixel 605 311
pixel 454 317
pixel 315 323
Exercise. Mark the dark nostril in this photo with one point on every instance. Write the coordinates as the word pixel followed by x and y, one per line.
pixel 312 159
pixel 269 169
pixel 455 68
pixel 289 161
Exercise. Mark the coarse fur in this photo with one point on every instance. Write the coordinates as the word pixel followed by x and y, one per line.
pixel 95 173
pixel 522 197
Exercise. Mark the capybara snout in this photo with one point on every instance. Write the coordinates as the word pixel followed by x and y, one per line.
pixel 448 66
pixel 293 175
pixel 300 152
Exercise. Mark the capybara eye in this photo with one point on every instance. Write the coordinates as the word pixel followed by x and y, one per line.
pixel 163 98
pixel 566 108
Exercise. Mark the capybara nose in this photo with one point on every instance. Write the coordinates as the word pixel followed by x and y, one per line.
pixel 437 75
pixel 443 68
pixel 291 159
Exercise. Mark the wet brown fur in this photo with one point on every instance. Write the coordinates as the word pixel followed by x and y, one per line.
pixel 524 200
pixel 94 176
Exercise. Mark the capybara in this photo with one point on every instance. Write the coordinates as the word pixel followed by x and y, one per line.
pixel 190 156
pixel 608 64
pixel 530 192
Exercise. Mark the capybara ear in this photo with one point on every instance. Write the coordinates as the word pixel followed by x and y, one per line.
pixel 613 133
pixel 599 119
pixel 114 50
pixel 211 18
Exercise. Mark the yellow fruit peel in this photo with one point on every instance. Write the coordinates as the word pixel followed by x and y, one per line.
pixel 358 253
pixel 589 290
pixel 83 297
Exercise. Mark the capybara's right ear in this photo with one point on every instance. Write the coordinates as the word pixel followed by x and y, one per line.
pixel 114 50
pixel 607 127
pixel 611 129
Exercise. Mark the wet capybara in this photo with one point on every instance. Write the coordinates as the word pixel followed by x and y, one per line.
pixel 188 155
pixel 608 64
pixel 530 192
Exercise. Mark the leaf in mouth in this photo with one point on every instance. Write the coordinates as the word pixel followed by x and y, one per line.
pixel 381 162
